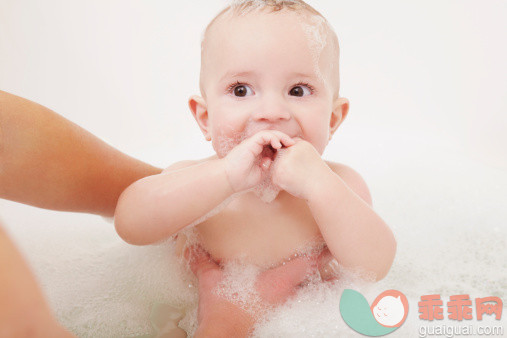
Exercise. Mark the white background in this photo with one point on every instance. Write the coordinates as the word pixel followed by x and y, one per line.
pixel 124 71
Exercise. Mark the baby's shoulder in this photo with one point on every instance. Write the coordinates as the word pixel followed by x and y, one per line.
pixel 186 163
pixel 353 179
pixel 340 168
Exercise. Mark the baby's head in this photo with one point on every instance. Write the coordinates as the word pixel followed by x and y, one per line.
pixel 269 65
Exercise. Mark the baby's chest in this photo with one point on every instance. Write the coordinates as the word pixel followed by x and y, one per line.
pixel 260 236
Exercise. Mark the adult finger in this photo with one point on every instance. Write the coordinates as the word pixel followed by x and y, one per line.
pixel 277 284
pixel 329 268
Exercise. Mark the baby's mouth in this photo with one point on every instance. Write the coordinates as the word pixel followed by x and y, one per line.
pixel 269 152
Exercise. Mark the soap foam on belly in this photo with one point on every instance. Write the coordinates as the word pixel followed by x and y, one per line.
pixel 99 286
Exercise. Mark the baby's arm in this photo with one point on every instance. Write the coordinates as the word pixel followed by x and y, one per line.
pixel 353 231
pixel 341 206
pixel 156 207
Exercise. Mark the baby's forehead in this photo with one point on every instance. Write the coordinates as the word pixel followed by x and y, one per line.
pixel 315 25
pixel 312 27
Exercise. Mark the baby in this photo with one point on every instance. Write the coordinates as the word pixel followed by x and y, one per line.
pixel 270 104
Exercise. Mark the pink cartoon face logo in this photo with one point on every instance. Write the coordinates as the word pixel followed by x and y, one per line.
pixel 390 308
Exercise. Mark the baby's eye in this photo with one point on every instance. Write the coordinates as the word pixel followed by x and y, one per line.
pixel 300 90
pixel 241 90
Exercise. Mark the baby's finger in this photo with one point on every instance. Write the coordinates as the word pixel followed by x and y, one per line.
pixel 288 141
pixel 257 142
pixel 264 138
pixel 275 143
pixel 279 134
pixel 283 138
pixel 275 138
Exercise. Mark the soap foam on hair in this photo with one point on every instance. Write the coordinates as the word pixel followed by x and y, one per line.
pixel 316 33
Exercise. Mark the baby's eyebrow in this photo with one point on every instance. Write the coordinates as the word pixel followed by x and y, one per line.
pixel 310 76
pixel 233 74
pixel 236 74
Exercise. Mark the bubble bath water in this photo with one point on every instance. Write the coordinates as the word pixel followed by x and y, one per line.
pixel 447 213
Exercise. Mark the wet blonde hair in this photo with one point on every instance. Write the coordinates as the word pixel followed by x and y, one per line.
pixel 243 7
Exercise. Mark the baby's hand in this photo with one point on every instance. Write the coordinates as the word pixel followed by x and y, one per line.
pixel 244 165
pixel 298 168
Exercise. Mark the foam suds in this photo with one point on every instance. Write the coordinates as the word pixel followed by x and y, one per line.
pixel 238 285
pixel 314 309
pixel 239 288
pixel 315 28
pixel 99 286
pixel 257 4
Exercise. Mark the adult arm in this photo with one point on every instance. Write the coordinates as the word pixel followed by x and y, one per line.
pixel 49 162
pixel 23 310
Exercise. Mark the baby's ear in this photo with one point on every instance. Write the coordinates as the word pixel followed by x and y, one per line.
pixel 200 111
pixel 339 113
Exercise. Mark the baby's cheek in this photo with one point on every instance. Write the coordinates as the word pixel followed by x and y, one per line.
pixel 317 141
pixel 225 139
pixel 321 143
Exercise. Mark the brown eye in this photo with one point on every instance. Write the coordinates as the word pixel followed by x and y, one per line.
pixel 240 91
pixel 296 91
pixel 300 91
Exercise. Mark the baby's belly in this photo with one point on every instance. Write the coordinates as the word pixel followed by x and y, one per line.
pixel 263 239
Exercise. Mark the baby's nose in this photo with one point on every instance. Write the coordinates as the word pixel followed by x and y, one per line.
pixel 272 109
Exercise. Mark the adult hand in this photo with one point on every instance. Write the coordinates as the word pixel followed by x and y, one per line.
pixel 219 317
